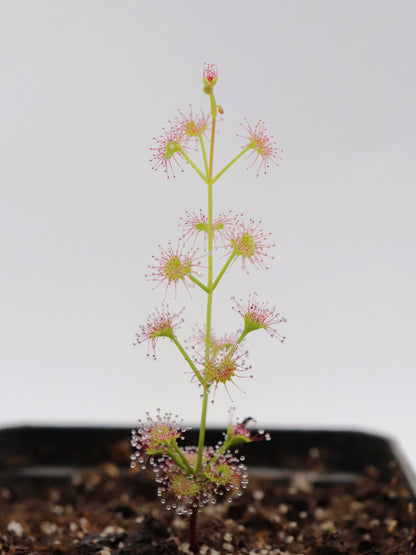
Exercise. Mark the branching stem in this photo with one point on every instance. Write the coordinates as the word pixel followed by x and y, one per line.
pixel 189 361
pixel 178 460
pixel 231 163
pixel 195 167
pixel 197 282
pixel 226 265
pixel 184 460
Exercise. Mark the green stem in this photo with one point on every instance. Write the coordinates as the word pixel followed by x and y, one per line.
pixel 220 451
pixel 198 171
pixel 239 340
pixel 178 460
pixel 189 361
pixel 231 163
pixel 201 440
pixel 209 182
pixel 231 258
pixel 185 461
pixel 242 336
pixel 208 333
pixel 201 285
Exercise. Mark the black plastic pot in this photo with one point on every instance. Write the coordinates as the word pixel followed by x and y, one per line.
pixel 30 451
pixel 56 454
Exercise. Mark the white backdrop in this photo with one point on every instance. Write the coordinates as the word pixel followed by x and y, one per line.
pixel 87 84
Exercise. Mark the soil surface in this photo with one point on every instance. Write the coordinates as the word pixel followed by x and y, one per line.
pixel 111 511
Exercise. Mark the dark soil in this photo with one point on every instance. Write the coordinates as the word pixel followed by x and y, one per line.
pixel 110 511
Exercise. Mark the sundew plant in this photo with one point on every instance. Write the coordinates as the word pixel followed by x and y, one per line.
pixel 188 478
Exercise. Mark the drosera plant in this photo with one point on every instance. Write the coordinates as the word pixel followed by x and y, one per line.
pixel 188 478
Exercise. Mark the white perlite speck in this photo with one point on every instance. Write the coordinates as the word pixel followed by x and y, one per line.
pixel 109 530
pixel 15 527
pixel 48 528
pixel 228 537
pixel 258 494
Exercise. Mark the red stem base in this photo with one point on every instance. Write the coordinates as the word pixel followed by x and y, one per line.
pixel 193 546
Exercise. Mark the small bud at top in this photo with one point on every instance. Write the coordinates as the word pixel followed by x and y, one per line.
pixel 210 73
pixel 209 77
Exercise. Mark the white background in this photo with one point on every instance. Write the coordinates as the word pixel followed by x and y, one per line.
pixel 86 85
